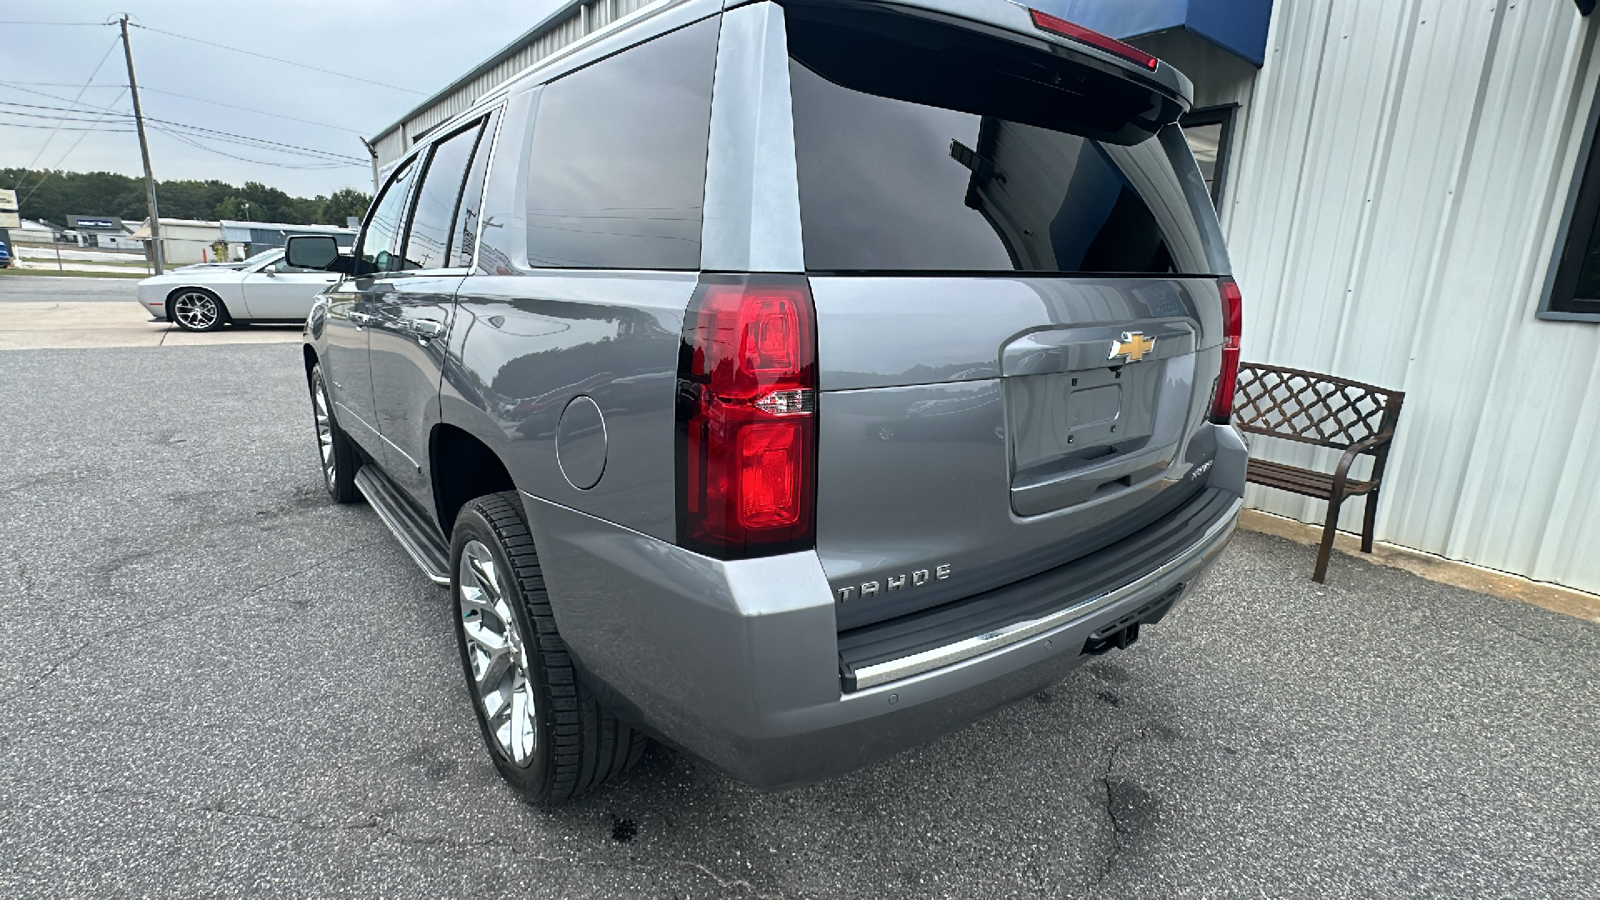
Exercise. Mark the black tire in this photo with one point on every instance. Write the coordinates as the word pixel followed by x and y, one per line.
pixel 338 455
pixel 578 745
pixel 196 309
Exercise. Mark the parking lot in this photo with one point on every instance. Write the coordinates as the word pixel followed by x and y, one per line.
pixel 215 682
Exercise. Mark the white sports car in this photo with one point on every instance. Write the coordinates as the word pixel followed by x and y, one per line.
pixel 262 288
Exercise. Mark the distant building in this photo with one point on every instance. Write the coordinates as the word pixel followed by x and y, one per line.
pixel 32 232
pixel 102 232
pixel 251 238
pixel 188 241
pixel 184 241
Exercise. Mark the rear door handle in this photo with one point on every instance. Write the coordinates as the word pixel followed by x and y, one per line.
pixel 360 320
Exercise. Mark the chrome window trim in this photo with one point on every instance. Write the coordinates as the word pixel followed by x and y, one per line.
pixel 497 114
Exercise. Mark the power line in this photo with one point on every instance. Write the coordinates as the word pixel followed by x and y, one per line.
pixel 193 142
pixel 246 137
pixel 249 109
pixel 287 62
pixel 52 170
pixel 221 135
pixel 85 133
pixel 29 115
pixel 62 24
pixel 17 86
pixel 86 83
pixel 13 85
pixel 68 128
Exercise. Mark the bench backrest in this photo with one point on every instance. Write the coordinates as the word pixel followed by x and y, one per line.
pixel 1310 407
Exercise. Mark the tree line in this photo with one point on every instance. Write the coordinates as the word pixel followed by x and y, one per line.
pixel 51 196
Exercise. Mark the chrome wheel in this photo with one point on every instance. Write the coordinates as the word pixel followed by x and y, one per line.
pixel 496 653
pixel 330 463
pixel 196 311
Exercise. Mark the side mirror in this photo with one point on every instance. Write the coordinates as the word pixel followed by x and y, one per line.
pixel 312 251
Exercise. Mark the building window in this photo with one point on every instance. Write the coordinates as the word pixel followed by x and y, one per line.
pixel 1576 290
pixel 1209 131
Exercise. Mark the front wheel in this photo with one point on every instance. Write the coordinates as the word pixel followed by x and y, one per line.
pixel 195 310
pixel 548 738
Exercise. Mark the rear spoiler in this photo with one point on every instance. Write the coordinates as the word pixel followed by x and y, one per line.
pixel 1019 23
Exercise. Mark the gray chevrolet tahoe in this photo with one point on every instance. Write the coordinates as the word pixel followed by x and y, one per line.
pixel 789 382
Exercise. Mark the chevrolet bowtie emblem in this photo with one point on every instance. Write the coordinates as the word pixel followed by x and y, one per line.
pixel 1133 346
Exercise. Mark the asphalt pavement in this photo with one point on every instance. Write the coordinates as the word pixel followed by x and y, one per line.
pixel 215 682
pixel 51 288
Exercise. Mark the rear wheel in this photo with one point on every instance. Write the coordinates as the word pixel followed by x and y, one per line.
pixel 339 457
pixel 548 738
pixel 193 309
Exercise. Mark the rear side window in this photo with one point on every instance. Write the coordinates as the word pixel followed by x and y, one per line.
pixel 941 183
pixel 434 210
pixel 618 159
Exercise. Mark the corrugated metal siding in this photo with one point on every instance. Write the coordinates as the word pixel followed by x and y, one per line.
pixel 584 20
pixel 1394 205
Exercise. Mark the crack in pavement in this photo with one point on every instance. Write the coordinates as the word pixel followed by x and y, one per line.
pixel 1110 861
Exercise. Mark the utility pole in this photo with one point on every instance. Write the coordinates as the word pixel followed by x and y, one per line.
pixel 158 254
pixel 373 151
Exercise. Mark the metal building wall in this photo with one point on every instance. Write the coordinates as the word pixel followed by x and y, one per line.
pixel 1394 204
pixel 581 20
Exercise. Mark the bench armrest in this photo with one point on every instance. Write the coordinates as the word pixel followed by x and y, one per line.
pixel 1376 443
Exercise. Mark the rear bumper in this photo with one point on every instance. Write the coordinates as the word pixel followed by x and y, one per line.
pixel 739 662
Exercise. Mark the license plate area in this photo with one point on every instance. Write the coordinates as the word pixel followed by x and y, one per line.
pixel 1082 424
pixel 1064 421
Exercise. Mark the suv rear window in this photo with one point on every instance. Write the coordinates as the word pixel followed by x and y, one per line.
pixel 890 183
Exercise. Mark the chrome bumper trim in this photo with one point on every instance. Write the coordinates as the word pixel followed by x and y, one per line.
pixel 939 657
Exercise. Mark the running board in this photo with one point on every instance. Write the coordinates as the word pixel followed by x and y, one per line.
pixel 418 536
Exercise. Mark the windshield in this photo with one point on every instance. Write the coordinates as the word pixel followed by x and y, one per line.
pixel 262 257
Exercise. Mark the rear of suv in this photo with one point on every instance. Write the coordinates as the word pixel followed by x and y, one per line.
pixel 789 382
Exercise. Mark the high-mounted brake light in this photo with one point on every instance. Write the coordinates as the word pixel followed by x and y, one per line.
pixel 1232 325
pixel 1054 25
pixel 747 382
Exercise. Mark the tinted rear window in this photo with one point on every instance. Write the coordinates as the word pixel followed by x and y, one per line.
pixel 891 184
pixel 618 161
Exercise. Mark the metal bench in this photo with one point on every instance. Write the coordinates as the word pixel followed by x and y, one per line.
pixel 1317 409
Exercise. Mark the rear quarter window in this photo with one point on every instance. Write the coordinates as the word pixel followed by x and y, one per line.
pixel 618 158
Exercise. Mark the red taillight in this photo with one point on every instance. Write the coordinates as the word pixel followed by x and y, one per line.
pixel 1228 378
pixel 1047 22
pixel 747 381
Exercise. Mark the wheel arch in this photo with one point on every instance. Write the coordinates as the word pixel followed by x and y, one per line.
pixel 463 468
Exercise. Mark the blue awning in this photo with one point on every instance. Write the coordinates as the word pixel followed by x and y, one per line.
pixel 1238 26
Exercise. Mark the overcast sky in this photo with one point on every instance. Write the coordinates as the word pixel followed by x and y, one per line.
pixel 421 45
